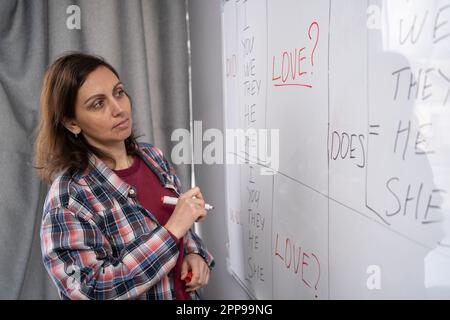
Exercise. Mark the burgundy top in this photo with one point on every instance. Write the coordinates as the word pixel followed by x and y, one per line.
pixel 149 192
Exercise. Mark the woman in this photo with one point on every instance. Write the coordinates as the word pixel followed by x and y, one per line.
pixel 105 233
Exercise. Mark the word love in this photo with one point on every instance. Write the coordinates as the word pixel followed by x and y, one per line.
pixel 288 69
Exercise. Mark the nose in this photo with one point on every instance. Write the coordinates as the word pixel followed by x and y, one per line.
pixel 116 107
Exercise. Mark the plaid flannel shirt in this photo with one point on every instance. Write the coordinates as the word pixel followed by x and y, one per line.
pixel 98 243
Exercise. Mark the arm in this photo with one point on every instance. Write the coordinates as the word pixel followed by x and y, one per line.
pixel 193 244
pixel 78 259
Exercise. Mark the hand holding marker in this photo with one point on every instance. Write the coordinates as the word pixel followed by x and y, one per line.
pixel 173 201
pixel 189 208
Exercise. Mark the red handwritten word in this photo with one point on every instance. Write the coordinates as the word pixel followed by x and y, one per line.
pixel 231 66
pixel 235 216
pixel 291 71
pixel 296 259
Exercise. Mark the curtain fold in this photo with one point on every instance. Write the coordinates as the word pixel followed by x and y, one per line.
pixel 145 40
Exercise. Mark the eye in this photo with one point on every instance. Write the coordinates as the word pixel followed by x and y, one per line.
pixel 98 104
pixel 120 92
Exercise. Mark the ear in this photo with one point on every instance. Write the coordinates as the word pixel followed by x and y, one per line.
pixel 72 126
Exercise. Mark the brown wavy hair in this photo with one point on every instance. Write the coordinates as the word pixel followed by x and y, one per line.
pixel 56 148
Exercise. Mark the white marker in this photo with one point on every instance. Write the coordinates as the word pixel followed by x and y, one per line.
pixel 173 201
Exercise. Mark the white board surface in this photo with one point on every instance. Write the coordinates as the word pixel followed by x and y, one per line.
pixel 357 204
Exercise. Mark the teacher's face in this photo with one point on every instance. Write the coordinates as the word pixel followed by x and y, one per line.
pixel 102 110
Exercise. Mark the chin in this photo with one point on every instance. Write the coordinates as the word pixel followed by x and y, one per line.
pixel 121 137
pixel 126 133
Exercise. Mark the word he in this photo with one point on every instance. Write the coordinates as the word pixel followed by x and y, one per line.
pixel 253 240
pixel 405 133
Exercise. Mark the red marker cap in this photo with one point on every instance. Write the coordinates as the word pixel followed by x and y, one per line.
pixel 188 277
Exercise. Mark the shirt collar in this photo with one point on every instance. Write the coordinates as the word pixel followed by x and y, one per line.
pixel 97 172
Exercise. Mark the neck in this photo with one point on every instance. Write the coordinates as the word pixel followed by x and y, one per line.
pixel 122 159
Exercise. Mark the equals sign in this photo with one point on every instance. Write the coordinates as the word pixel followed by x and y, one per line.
pixel 373 129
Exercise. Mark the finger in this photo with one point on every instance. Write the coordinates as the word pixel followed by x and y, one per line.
pixel 199 202
pixel 193 288
pixel 204 279
pixel 198 194
pixel 201 215
pixel 184 270
pixel 207 277
pixel 205 274
pixel 200 219
pixel 199 210
pixel 200 280
pixel 195 278
pixel 194 192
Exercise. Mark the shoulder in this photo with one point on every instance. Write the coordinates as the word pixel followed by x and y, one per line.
pixel 156 156
pixel 63 192
pixel 154 153
pixel 59 192
pixel 150 149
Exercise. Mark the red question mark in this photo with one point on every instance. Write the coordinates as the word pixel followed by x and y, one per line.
pixel 314 23
pixel 318 265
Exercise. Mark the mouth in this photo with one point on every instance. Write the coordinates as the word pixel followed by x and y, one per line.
pixel 121 123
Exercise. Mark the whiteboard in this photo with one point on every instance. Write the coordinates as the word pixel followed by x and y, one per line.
pixel 351 198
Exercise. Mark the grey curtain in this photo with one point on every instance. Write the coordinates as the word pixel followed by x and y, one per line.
pixel 145 40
